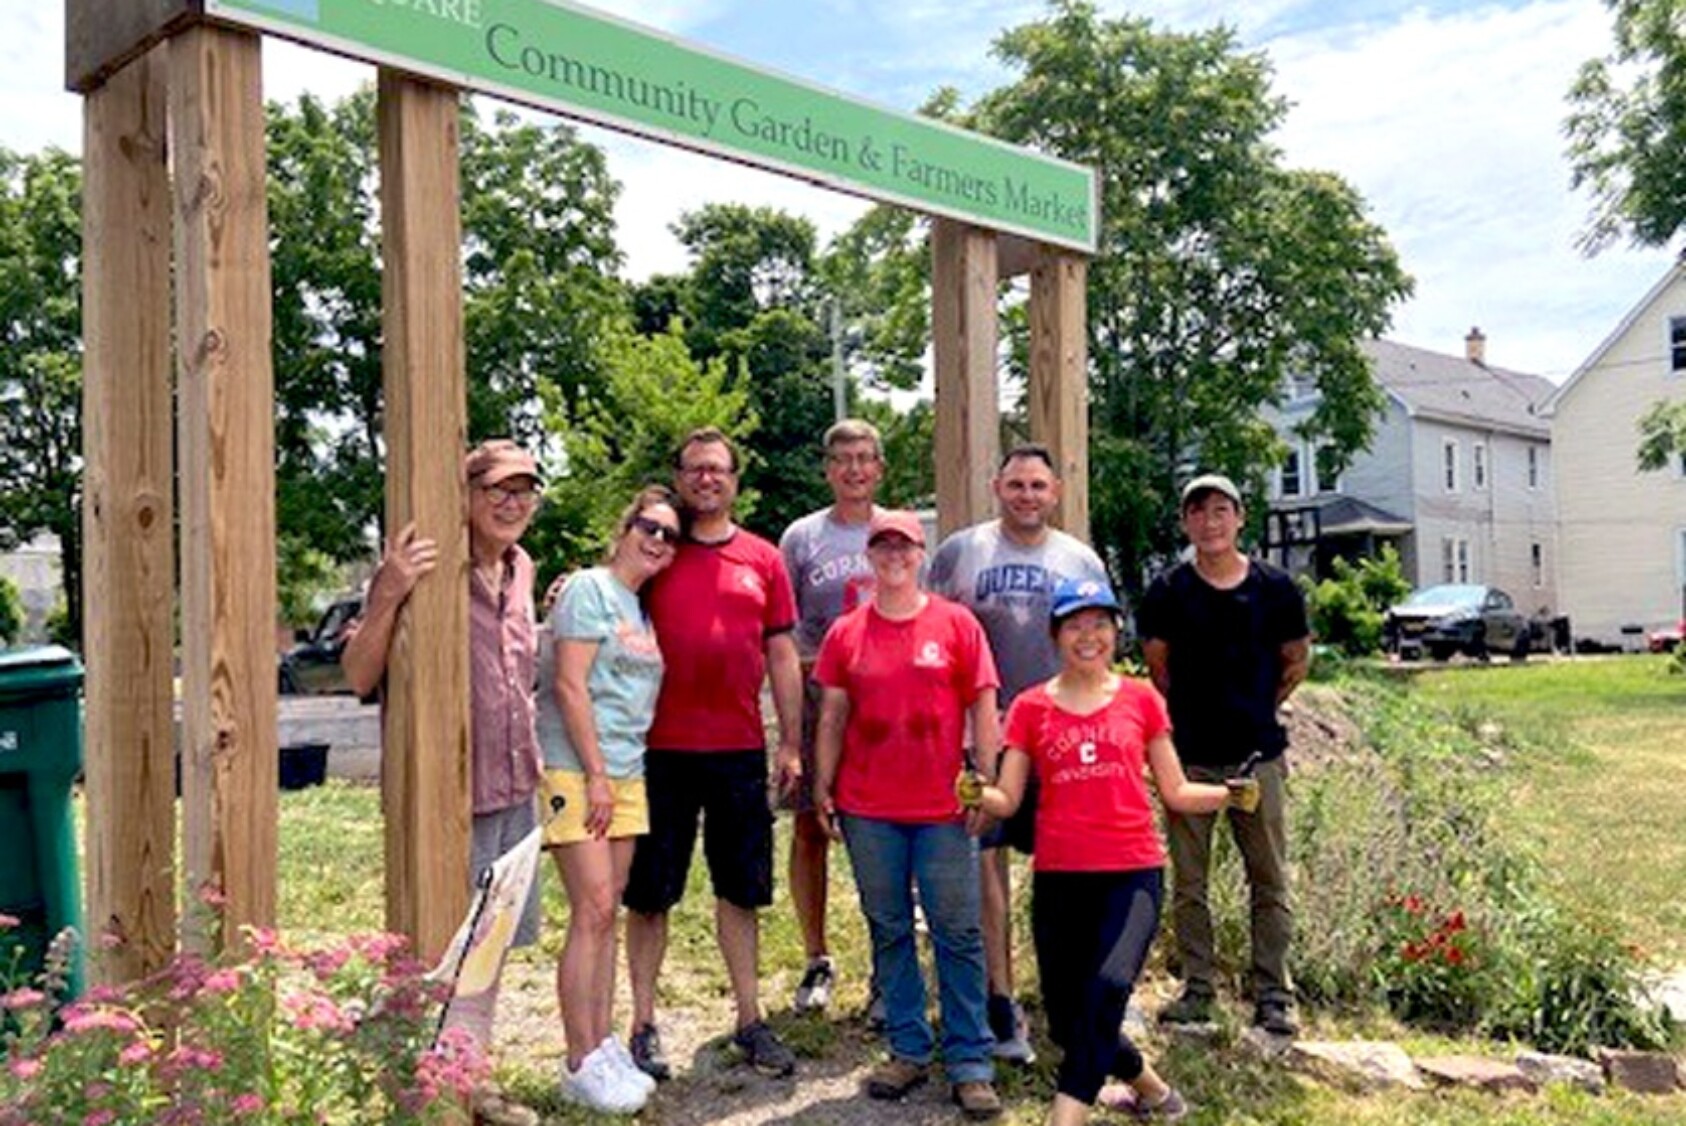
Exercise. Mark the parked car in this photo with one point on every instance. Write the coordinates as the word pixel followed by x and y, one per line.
pixel 312 667
pixel 1459 618
pixel 1666 639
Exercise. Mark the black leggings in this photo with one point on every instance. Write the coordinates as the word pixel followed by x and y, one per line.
pixel 1092 932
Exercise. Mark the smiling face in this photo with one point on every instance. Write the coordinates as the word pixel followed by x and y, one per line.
pixel 646 545
pixel 707 482
pixel 1212 522
pixel 853 469
pixel 498 515
pixel 1087 639
pixel 1026 492
pixel 895 562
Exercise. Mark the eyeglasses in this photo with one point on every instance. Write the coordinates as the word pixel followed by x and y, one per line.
pixel 853 461
pixel 714 470
pixel 656 530
pixel 501 495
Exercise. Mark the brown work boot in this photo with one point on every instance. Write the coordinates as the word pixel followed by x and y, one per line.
pixel 977 1100
pixel 894 1078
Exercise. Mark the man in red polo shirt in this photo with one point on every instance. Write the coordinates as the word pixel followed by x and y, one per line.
pixel 723 613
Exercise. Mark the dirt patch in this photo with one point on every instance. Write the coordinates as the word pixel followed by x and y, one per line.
pixel 1321 730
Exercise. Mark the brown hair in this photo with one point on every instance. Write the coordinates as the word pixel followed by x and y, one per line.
pixel 705 436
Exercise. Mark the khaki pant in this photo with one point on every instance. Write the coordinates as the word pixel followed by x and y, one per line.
pixel 1262 839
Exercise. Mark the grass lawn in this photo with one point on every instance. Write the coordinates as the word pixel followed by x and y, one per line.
pixel 1602 783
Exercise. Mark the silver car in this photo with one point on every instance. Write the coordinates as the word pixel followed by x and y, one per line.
pixel 1458 618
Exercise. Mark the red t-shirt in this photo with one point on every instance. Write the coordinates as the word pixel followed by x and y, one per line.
pixel 909 684
pixel 713 610
pixel 1094 814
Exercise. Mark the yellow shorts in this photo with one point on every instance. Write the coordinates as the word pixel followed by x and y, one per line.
pixel 631 816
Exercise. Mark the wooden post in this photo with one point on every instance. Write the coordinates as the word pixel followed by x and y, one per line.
pixel 127 523
pixel 227 463
pixel 963 343
pixel 425 726
pixel 1059 377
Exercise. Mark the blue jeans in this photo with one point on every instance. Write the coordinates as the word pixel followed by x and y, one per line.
pixel 888 857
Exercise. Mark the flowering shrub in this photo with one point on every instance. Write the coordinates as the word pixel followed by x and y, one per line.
pixel 1433 967
pixel 282 1036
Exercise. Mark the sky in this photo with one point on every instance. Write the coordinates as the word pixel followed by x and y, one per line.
pixel 1446 117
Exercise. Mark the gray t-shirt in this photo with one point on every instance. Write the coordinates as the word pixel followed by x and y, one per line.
pixel 829 571
pixel 1010 588
pixel 625 675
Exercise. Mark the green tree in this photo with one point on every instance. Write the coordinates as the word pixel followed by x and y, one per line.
pixel 1662 435
pixel 11 611
pixel 1627 127
pixel 1348 608
pixel 41 359
pixel 1220 271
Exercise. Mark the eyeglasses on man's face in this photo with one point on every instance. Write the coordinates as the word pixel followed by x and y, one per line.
pixel 706 469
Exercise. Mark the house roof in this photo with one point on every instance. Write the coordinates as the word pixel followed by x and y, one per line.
pixel 1675 273
pixel 1340 515
pixel 1454 389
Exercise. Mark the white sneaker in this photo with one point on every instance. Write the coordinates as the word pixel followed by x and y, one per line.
pixel 599 1085
pixel 623 1060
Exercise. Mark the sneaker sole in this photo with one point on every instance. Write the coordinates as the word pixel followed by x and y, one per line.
pixel 887 1093
pixel 1012 1051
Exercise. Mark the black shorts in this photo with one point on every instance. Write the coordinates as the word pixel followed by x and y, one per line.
pixel 728 790
pixel 1018 830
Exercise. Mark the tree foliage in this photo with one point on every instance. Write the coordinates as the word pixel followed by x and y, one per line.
pixel 1348 609
pixel 12 615
pixel 1220 272
pixel 41 359
pixel 1662 435
pixel 1627 127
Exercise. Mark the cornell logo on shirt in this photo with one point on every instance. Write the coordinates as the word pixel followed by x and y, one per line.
pixel 750 581
pixel 930 656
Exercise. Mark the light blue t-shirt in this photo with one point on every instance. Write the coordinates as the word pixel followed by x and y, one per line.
pixel 626 673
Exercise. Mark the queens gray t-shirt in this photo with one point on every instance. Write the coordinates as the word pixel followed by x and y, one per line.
pixel 1010 588
pixel 625 675
pixel 828 568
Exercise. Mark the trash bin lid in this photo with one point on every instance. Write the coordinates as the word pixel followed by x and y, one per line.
pixel 38 670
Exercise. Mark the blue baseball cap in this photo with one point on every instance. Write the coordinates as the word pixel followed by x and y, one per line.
pixel 1072 595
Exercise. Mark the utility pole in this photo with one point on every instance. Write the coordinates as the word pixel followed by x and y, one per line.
pixel 839 406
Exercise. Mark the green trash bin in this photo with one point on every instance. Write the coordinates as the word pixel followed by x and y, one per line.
pixel 40 758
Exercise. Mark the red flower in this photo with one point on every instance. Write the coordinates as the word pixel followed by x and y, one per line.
pixel 1455 922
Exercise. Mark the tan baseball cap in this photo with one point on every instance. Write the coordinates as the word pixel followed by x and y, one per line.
pixel 497 460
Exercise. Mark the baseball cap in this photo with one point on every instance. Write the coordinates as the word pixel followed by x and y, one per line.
pixel 1211 483
pixel 895 521
pixel 1072 595
pixel 497 460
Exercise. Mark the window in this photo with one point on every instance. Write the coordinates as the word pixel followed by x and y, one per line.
pixel 1454 560
pixel 1478 466
pixel 1293 484
pixel 1449 465
pixel 1536 557
pixel 1677 344
pixel 1533 467
pixel 1324 462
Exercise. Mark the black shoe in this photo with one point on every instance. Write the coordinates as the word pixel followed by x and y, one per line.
pixel 764 1051
pixel 1274 1015
pixel 1193 1007
pixel 647 1054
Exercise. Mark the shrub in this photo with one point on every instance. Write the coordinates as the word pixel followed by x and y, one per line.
pixel 11 611
pixel 281 1036
pixel 1348 608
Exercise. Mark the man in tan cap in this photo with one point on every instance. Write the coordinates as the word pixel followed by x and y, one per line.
pixel 503 494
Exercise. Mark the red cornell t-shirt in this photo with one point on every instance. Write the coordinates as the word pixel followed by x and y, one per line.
pixel 909 684
pixel 1094 814
pixel 713 610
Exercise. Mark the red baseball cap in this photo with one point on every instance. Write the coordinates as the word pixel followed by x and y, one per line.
pixel 895 521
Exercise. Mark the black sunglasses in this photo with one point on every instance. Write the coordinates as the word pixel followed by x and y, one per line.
pixel 656 529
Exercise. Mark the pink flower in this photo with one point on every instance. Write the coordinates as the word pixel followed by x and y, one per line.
pixel 311 1011
pixel 223 981
pixel 25 1068
pixel 9 922
pixel 212 895
pixel 86 1019
pixel 100 1118
pixel 22 999
pixel 135 1054
pixel 247 1103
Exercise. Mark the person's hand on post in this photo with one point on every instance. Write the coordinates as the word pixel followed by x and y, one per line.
pixel 408 559
pixel 600 805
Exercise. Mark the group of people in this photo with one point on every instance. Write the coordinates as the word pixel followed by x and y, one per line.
pixel 931 715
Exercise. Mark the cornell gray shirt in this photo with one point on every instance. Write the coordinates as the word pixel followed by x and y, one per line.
pixel 1010 588
pixel 828 568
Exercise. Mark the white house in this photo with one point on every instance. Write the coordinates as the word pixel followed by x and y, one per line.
pixel 1621 532
pixel 1457 476
pixel 35 568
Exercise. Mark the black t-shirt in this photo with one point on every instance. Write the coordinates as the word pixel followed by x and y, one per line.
pixel 1224 658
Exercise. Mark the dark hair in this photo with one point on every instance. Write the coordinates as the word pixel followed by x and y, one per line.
pixel 1054 624
pixel 1035 451
pixel 646 498
pixel 709 436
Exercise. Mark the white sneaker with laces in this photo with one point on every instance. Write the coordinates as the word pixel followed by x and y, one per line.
pixel 599 1085
pixel 813 993
pixel 623 1060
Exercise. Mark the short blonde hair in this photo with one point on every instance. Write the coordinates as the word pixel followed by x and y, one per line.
pixel 853 430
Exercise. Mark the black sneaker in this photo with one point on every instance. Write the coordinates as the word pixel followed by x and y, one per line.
pixel 647 1054
pixel 1011 1030
pixel 1192 1008
pixel 1273 1015
pixel 764 1051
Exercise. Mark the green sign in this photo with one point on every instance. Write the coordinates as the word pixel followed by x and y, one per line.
pixel 560 57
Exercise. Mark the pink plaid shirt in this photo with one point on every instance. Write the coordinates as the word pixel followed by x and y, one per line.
pixel 503 662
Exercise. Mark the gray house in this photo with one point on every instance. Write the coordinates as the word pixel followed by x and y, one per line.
pixel 1457 477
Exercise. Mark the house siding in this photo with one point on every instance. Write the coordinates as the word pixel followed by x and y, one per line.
pixel 1619 529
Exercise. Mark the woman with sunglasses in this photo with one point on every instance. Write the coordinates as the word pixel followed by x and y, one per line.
pixel 1087 734
pixel 600 674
